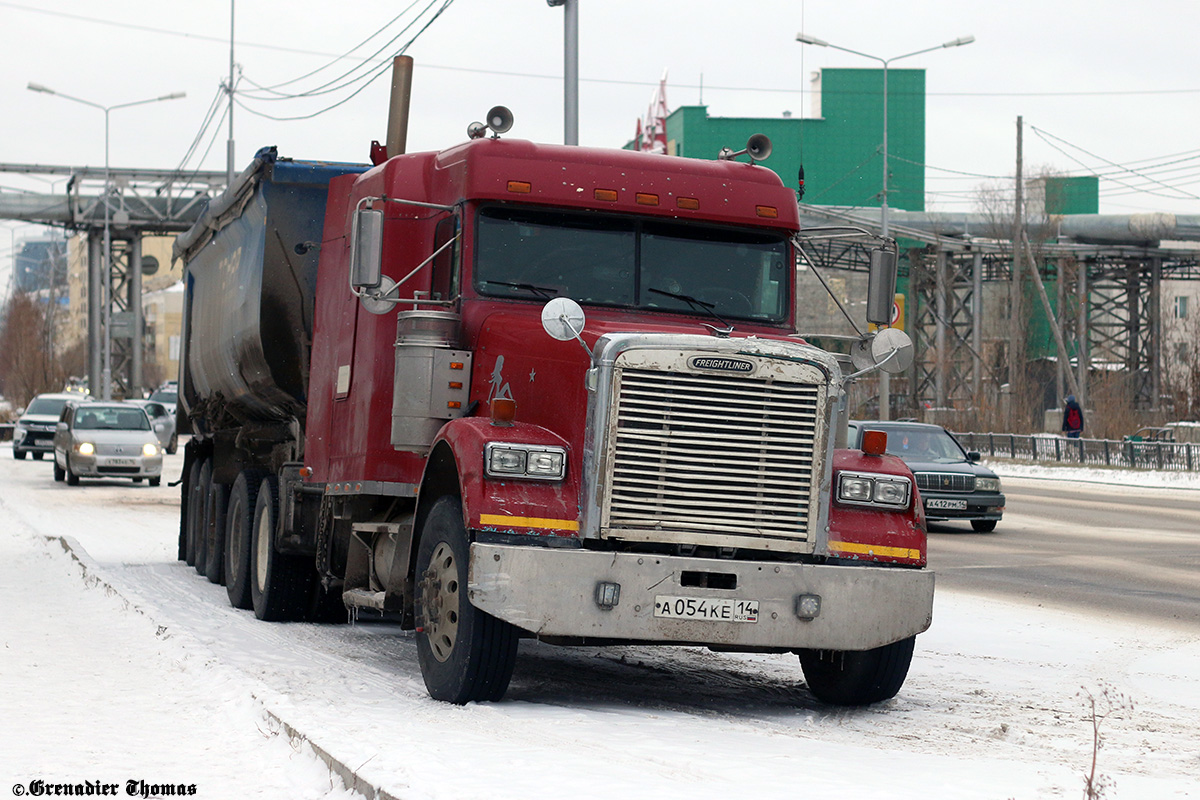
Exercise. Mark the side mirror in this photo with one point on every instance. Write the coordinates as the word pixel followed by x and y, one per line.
pixel 974 457
pixel 562 319
pixel 892 350
pixel 881 287
pixel 366 249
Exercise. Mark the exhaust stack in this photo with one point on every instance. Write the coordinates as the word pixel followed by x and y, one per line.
pixel 397 129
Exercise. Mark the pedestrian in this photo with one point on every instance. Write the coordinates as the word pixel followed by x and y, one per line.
pixel 1072 418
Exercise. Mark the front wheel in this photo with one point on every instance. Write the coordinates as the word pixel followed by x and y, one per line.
pixel 18 454
pixel 59 472
pixel 72 478
pixel 857 678
pixel 983 525
pixel 173 445
pixel 465 654
pixel 37 455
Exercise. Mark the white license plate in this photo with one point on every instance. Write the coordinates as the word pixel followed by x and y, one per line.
pixel 706 608
pixel 121 462
pixel 950 505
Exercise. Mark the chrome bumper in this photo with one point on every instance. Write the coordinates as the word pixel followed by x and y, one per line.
pixel 553 593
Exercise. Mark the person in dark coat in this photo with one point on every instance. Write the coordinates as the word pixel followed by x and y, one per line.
pixel 1072 418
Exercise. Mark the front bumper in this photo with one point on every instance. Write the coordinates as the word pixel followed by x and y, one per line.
pixel 113 467
pixel 979 505
pixel 33 440
pixel 552 593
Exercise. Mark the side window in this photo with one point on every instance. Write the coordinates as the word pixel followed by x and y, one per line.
pixel 445 266
pixel 66 414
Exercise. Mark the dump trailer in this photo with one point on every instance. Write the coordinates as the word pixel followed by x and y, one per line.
pixel 512 390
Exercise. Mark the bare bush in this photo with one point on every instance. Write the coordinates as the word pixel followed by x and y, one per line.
pixel 27 363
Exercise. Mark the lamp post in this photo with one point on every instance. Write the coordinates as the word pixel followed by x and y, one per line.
pixel 106 292
pixel 803 38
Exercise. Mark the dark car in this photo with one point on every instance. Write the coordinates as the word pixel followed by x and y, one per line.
pixel 953 485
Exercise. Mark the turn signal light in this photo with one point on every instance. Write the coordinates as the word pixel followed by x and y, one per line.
pixel 504 410
pixel 520 187
pixel 767 211
pixel 874 443
pixel 605 194
pixel 690 203
pixel 646 199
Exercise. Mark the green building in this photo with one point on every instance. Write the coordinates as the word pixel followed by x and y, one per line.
pixel 840 147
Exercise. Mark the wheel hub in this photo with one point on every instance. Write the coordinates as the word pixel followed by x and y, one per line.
pixel 440 601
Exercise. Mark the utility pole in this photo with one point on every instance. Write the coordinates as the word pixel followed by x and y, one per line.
pixel 570 69
pixel 229 154
pixel 1016 339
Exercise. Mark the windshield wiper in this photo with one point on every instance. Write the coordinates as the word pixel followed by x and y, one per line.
pixel 700 305
pixel 541 291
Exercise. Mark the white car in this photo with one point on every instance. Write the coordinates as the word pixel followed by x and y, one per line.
pixel 162 418
pixel 106 440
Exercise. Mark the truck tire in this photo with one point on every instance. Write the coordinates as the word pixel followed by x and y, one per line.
pixel 216 504
pixel 281 585
pixel 200 531
pixel 239 520
pixel 195 510
pixel 465 654
pixel 857 678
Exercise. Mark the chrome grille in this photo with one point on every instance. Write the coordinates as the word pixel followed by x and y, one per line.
pixel 945 482
pixel 712 454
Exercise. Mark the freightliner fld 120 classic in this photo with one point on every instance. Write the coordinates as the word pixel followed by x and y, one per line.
pixel 512 390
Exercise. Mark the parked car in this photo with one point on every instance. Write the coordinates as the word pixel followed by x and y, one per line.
pixel 106 440
pixel 952 484
pixel 168 395
pixel 162 419
pixel 34 431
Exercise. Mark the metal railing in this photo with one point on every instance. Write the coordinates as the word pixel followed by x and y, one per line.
pixel 1175 456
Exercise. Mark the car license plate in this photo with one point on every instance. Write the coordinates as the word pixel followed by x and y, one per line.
pixel 949 505
pixel 122 462
pixel 706 608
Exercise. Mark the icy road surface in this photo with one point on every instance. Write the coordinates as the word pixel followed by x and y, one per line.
pixel 140 670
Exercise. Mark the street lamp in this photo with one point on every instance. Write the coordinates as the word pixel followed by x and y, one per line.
pixel 106 376
pixel 804 38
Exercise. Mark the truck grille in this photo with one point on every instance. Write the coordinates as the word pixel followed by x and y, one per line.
pixel 712 454
pixel 944 482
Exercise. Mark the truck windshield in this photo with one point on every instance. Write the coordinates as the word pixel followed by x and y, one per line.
pixel 631 263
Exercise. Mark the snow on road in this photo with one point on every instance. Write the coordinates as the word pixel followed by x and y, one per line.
pixel 139 670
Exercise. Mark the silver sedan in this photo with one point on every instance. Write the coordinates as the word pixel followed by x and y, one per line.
pixel 106 440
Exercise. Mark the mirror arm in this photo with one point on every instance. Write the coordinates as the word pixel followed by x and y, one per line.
pixel 813 266
pixel 894 352
pixel 384 295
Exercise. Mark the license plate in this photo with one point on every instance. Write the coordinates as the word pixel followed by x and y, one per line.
pixel 121 462
pixel 949 505
pixel 706 608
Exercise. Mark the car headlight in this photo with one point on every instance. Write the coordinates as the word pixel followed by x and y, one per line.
pixel 149 449
pixel 987 484
pixel 533 462
pixel 869 489
pixel 85 449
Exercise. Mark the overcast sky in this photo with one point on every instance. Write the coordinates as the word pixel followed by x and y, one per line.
pixel 1106 84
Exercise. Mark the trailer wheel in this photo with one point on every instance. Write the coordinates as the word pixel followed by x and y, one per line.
pixel 857 678
pixel 215 507
pixel 281 585
pixel 200 518
pixel 465 654
pixel 239 521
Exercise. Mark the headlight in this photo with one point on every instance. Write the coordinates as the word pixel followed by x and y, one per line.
pixel 868 489
pixel 987 484
pixel 149 449
pixel 534 462
pixel 85 448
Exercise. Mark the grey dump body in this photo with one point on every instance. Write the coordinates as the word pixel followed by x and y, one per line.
pixel 251 275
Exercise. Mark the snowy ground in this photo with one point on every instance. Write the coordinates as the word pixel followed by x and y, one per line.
pixel 130 666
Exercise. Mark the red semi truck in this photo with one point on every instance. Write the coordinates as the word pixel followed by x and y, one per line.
pixel 514 390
